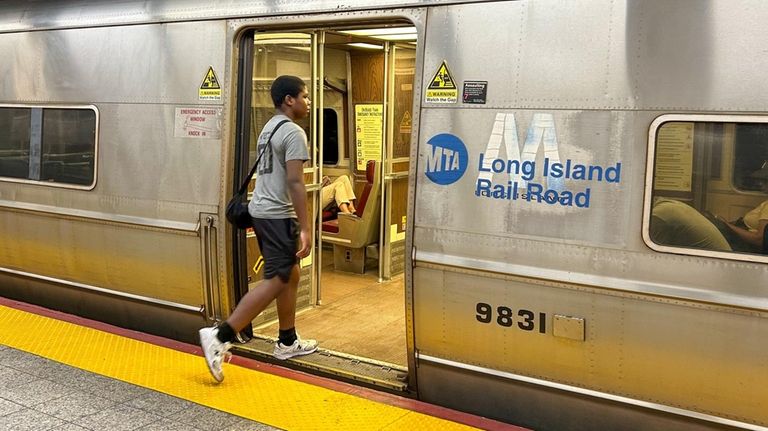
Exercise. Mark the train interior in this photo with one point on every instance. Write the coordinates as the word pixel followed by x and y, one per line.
pixel 708 173
pixel 351 296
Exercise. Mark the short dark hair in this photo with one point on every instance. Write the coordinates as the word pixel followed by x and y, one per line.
pixel 286 85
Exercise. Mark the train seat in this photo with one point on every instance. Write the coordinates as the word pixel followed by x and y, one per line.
pixel 330 216
pixel 330 213
pixel 350 234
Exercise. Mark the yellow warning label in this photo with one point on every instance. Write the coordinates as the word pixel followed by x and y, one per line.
pixel 442 88
pixel 405 123
pixel 442 79
pixel 210 88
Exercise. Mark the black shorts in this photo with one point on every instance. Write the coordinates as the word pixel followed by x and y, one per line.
pixel 277 239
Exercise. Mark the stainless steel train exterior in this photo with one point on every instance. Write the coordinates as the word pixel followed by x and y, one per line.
pixel 552 313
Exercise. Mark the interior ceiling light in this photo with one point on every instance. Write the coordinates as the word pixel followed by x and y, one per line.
pixel 386 33
pixel 365 45
pixel 380 31
pixel 393 37
pixel 277 38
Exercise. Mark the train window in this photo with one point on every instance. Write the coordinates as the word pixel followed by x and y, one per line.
pixel 330 137
pixel 53 145
pixel 14 142
pixel 710 186
pixel 68 151
pixel 750 151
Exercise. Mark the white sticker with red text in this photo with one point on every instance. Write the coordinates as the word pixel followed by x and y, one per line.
pixel 198 122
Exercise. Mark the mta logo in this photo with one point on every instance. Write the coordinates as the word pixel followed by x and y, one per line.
pixel 447 159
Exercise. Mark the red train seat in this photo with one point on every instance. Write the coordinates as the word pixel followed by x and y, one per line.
pixel 350 234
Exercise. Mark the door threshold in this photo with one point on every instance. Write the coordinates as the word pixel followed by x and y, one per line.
pixel 328 363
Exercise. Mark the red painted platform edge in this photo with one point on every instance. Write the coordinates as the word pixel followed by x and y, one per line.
pixel 382 397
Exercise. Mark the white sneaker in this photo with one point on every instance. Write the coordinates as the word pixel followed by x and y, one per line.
pixel 215 351
pixel 298 348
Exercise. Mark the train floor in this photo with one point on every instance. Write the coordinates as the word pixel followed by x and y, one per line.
pixel 356 307
pixel 62 372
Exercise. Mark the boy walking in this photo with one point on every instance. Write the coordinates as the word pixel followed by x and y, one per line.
pixel 279 212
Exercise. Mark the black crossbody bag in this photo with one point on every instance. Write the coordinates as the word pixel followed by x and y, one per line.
pixel 237 208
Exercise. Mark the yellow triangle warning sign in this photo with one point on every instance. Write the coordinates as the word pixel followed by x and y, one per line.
pixel 405 123
pixel 210 81
pixel 210 89
pixel 442 88
pixel 442 79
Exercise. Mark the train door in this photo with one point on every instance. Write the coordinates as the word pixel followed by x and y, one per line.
pixel 277 54
pixel 352 293
pixel 401 66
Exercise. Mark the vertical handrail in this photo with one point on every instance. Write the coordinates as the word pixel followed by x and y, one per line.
pixel 208 282
pixel 383 249
pixel 317 246
pixel 213 263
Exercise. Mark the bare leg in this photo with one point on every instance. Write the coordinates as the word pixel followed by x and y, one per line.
pixel 286 300
pixel 255 301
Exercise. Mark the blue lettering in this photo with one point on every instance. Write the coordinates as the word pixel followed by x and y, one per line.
pixel 483 188
pixel 534 190
pixel 550 197
pixel 529 169
pixel 498 165
pixel 538 193
pixel 480 166
pixel 613 175
pixel 582 199
pixel 486 188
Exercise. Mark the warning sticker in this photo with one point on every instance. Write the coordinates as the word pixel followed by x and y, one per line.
pixel 405 123
pixel 201 122
pixel 475 92
pixel 210 88
pixel 442 88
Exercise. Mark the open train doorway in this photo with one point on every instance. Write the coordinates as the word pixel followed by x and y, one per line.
pixel 352 293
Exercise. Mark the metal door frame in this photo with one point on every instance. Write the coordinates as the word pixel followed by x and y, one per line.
pixel 418 18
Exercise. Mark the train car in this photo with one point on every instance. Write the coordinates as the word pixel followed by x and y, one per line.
pixel 561 217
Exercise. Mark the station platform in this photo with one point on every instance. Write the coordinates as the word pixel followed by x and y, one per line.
pixel 62 372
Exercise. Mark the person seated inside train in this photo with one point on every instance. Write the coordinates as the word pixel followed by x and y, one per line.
pixel 338 192
pixel 751 229
pixel 677 224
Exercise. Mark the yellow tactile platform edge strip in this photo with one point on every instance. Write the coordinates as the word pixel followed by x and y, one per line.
pixel 251 394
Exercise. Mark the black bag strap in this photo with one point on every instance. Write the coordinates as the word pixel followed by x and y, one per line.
pixel 242 188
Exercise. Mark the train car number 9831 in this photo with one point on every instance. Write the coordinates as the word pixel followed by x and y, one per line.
pixel 504 316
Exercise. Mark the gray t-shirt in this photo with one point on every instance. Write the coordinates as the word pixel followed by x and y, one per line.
pixel 271 199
